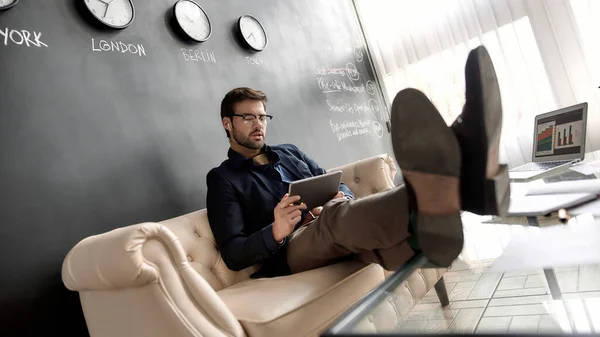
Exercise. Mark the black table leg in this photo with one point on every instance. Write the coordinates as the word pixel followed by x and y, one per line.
pixel 442 293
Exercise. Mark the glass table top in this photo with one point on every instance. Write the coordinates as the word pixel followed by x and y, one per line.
pixel 558 300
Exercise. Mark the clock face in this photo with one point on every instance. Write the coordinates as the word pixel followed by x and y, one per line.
pixel 252 32
pixel 193 20
pixel 6 4
pixel 112 13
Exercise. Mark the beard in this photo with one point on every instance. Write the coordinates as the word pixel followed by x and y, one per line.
pixel 245 141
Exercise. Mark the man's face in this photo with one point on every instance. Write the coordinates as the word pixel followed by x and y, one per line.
pixel 248 134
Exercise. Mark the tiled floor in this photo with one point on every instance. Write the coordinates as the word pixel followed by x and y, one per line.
pixel 483 301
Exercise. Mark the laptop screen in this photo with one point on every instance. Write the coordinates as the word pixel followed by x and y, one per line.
pixel 561 134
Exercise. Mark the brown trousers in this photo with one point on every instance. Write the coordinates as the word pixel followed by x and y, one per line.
pixel 374 229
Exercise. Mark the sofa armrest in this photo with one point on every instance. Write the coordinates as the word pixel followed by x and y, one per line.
pixel 368 176
pixel 149 253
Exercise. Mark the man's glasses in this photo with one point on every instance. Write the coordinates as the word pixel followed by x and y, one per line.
pixel 250 119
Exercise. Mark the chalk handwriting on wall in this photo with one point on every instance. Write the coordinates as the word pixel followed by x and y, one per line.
pixel 118 47
pixel 364 107
pixel 340 107
pixel 348 71
pixel 348 80
pixel 370 87
pixel 197 55
pixel 353 73
pixel 378 129
pixel 350 128
pixel 358 54
pixel 376 110
pixel 338 86
pixel 22 38
pixel 257 61
pixel 330 71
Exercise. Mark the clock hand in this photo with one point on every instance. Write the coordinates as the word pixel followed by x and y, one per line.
pixel 187 17
pixel 251 36
pixel 107 5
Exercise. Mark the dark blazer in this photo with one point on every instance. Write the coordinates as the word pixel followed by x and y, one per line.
pixel 241 197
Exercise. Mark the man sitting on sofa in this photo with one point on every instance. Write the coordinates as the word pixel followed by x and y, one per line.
pixel 446 170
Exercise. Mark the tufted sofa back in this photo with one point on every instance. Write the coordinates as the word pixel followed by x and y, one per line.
pixel 364 177
pixel 368 176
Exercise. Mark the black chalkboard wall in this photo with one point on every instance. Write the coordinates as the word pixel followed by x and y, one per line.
pixel 92 140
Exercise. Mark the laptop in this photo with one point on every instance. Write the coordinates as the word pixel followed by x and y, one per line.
pixel 558 141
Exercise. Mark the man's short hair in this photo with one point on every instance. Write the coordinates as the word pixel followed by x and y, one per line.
pixel 238 95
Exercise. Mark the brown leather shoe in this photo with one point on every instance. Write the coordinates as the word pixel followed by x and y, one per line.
pixel 429 155
pixel 485 187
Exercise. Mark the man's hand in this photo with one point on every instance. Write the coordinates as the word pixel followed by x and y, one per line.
pixel 287 215
pixel 317 210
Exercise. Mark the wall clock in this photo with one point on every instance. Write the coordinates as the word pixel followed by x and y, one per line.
pixel 252 32
pixel 6 4
pixel 112 13
pixel 193 20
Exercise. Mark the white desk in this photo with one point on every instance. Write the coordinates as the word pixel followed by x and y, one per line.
pixel 519 189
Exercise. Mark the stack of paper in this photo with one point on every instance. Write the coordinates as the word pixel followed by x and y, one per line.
pixel 565 187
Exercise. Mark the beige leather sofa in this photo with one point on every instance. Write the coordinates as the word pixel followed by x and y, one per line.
pixel 168 279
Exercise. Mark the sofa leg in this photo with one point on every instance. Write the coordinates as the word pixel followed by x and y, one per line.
pixel 442 293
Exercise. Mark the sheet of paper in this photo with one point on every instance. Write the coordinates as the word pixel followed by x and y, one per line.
pixel 587 168
pixel 565 187
pixel 546 203
pixel 556 246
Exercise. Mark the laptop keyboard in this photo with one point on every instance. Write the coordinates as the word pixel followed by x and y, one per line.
pixel 539 166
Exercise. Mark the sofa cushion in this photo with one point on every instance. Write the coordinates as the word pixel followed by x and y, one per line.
pixel 300 304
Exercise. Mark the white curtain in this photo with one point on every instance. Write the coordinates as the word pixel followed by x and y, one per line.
pixel 545 53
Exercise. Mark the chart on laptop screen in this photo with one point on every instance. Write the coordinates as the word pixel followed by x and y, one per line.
pixel 560 134
pixel 545 138
pixel 569 135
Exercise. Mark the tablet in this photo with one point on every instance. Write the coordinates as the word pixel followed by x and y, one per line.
pixel 317 191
